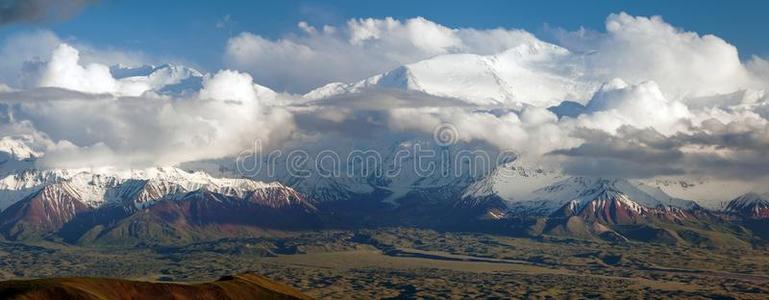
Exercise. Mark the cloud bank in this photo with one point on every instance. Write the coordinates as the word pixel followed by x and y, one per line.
pixel 82 116
pixel 645 98
pixel 361 48
pixel 636 49
pixel 23 53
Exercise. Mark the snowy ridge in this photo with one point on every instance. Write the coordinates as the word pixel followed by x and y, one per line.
pixel 17 147
pixel 163 79
pixel 529 189
pixel 51 207
pixel 602 196
pixel 707 192
pixel 278 196
pixel 16 154
pixel 59 202
pixel 512 182
pixel 750 205
pixel 42 211
pixel 355 183
pixel 580 190
pixel 749 199
pixel 604 203
pixel 522 75
pixel 96 187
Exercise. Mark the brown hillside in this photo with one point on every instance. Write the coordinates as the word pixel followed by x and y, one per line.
pixel 245 286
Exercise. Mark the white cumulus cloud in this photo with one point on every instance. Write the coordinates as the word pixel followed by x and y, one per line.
pixel 363 47
pixel 647 96
pixel 88 120
pixel 64 71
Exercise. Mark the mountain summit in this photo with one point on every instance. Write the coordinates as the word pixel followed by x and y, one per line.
pixel 520 75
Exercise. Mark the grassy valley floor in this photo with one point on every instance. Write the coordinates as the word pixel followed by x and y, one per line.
pixel 406 262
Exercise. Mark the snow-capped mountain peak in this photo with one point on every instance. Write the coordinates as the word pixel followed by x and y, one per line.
pixel 512 181
pixel 543 192
pixel 163 79
pixel 97 187
pixel 17 148
pixel 750 205
pixel 514 77
pixel 165 71
pixel 602 195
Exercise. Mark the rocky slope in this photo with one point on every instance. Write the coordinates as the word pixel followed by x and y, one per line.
pixel 91 204
pixel 750 206
pixel 244 286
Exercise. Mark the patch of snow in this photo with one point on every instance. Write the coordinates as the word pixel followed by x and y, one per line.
pixel 538 74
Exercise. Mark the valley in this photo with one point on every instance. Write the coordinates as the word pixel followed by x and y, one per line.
pixel 410 262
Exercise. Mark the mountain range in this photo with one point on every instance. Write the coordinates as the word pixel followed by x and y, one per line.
pixel 174 204
pixel 169 205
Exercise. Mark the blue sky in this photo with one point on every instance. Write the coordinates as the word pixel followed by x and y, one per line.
pixel 677 81
pixel 186 30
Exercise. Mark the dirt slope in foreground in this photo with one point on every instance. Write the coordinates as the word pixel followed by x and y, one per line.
pixel 245 286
